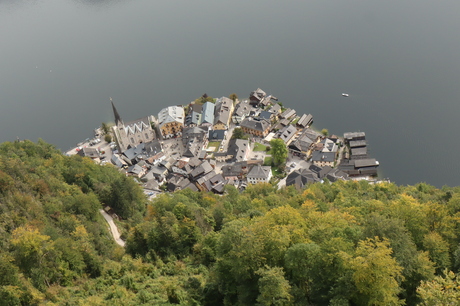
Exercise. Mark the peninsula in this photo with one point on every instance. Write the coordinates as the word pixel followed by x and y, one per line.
pixel 209 143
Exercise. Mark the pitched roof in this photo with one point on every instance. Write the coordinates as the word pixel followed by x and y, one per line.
pixel 238 148
pixel 207 115
pixel 171 114
pixel 323 156
pixel 255 124
pixel 300 178
pixel 259 171
pixel 223 110
pixel 305 120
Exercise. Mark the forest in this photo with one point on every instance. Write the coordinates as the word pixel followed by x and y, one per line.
pixel 342 243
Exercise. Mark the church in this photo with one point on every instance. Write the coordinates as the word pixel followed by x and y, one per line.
pixel 132 133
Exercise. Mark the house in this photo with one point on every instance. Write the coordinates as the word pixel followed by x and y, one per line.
pixel 305 121
pixel 241 111
pixel 255 126
pixel 202 183
pixel 217 183
pixel 257 96
pixel 171 121
pixel 222 113
pixel 194 139
pixel 182 166
pixel 204 168
pixel 236 171
pixel 359 167
pixel 259 174
pixel 350 136
pixel 287 134
pixel 300 178
pixel 267 115
pixel 207 114
pixel 92 153
pixel 216 135
pixel 322 159
pixel 136 170
pixel 158 172
pixel 117 161
pixel 302 145
pixel 275 109
pixel 288 113
pixel 238 150
pixel 193 119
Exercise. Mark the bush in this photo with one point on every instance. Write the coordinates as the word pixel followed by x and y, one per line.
pixel 108 138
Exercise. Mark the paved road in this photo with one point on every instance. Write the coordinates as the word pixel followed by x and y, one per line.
pixel 113 228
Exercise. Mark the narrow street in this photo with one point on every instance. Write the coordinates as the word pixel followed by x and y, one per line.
pixel 113 228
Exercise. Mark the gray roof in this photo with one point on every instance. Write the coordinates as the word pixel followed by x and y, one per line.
pixel 266 115
pixel 152 148
pixel 242 109
pixel 305 120
pixel 223 110
pixel 89 152
pixel 204 168
pixel 370 162
pixel 359 151
pixel 354 136
pixel 207 115
pixel 276 108
pixel 254 124
pixel 288 113
pixel 357 143
pixel 216 135
pixel 116 161
pixel 235 169
pixel 323 156
pixel 257 95
pixel 193 118
pixel 259 171
pixel 287 133
pixel 238 148
pixel 300 178
pixel 136 169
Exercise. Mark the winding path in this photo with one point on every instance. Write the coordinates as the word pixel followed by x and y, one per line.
pixel 113 228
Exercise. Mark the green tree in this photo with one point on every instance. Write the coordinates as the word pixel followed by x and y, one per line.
pixel 375 273
pixel 325 132
pixel 442 290
pixel 105 127
pixel 279 151
pixel 274 289
pixel 108 138
pixel 233 97
pixel 239 134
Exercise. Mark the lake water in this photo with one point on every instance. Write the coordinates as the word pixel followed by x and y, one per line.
pixel 61 60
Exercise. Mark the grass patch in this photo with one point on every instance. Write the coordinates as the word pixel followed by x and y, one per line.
pixel 259 147
pixel 268 161
pixel 276 171
pixel 215 144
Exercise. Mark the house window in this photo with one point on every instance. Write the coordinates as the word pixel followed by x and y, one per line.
pixel 146 136
pixel 132 140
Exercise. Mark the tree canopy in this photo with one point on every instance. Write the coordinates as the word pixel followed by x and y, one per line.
pixel 342 243
pixel 279 151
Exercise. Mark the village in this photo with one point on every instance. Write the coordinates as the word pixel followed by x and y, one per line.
pixel 210 143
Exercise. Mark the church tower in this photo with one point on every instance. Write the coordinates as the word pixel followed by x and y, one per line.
pixel 118 120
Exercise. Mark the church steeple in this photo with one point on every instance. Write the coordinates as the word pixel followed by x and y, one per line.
pixel 118 119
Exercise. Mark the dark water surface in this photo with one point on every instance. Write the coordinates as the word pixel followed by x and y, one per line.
pixel 61 60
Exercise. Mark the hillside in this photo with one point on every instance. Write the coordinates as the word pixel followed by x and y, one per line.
pixel 346 243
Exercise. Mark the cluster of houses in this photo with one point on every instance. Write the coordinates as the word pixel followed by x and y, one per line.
pixel 192 147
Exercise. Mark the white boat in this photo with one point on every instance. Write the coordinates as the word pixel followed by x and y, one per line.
pixel 345 95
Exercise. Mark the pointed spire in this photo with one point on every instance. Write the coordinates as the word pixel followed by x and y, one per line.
pixel 115 113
